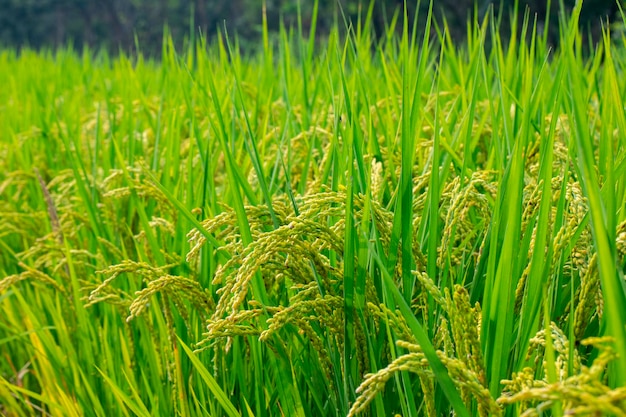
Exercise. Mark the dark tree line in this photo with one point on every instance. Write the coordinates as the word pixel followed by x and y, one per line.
pixel 121 24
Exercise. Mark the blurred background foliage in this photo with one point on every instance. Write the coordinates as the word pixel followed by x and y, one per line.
pixel 124 24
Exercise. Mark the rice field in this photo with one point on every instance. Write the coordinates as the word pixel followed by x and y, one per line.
pixel 333 226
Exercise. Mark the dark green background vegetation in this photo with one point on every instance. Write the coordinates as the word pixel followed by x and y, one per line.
pixel 115 24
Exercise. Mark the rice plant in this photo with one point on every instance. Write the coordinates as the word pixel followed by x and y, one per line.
pixel 336 225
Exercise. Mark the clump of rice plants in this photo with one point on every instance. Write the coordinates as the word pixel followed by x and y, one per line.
pixel 333 226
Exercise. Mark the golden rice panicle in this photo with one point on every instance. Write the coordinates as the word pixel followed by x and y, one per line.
pixel 465 323
pixel 427 383
pixel 561 346
pixel 273 247
pixel 325 310
pixel 621 241
pixel 304 292
pixel 472 389
pixel 467 209
pixel 579 207
pixel 420 188
pixel 444 338
pixel 377 180
pixel 29 273
pixel 520 382
pixel 225 227
pixel 462 353
pixel 582 393
pixel 105 292
pixel 427 380
pixel 382 313
pixel 144 270
pixel 292 256
pixel 586 306
pixel 575 212
pixel 533 194
pixel 414 361
pixel 178 289
pixel 229 234
pixel 430 288
pixel 243 323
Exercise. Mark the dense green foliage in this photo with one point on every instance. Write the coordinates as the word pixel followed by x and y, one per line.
pixel 115 24
pixel 319 229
